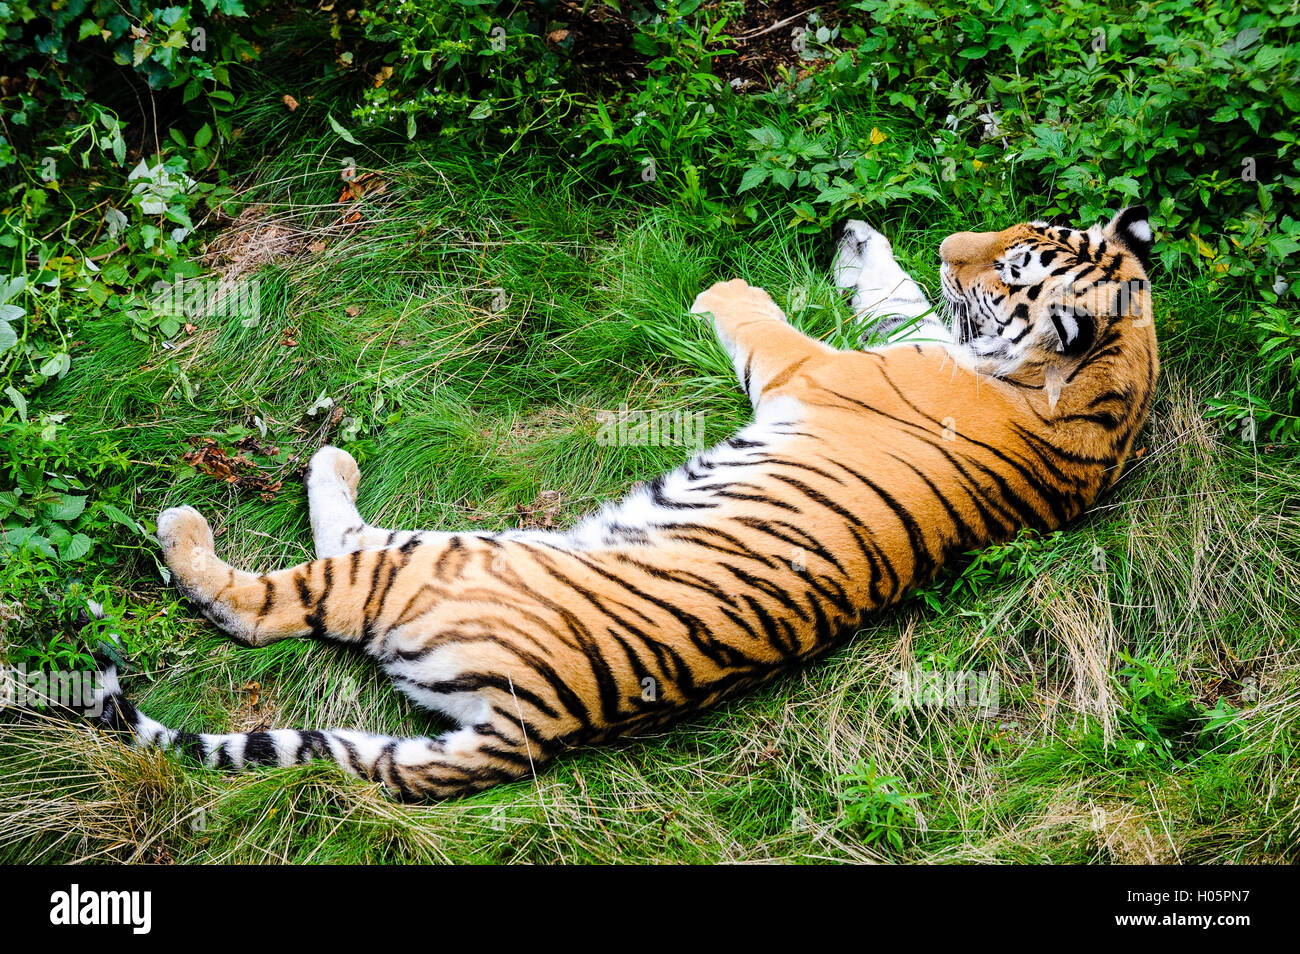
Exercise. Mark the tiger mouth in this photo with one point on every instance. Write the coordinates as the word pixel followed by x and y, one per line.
pixel 957 306
pixel 961 315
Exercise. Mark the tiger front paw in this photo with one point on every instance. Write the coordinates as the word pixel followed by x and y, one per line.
pixel 735 298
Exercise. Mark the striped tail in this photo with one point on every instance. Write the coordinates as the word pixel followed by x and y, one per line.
pixel 458 762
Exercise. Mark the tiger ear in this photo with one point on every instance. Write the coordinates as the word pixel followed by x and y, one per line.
pixel 1131 227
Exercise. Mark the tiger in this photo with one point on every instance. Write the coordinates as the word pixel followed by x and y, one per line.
pixel 862 472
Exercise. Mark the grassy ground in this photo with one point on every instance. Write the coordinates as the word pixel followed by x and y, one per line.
pixel 1148 694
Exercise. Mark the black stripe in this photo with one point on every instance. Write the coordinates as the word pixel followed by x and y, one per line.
pixel 259 749
pixel 270 596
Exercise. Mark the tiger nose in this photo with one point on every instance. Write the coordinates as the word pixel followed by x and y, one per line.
pixel 962 247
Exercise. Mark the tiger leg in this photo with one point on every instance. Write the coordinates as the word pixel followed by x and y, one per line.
pixel 882 293
pixel 464 760
pixel 766 351
pixel 336 525
pixel 324 597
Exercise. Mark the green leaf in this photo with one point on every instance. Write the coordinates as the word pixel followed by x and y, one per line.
pixel 117 516
pixel 769 137
pixel 19 402
pixel 55 366
pixel 343 133
pixel 12 287
pixel 178 215
pixel 17 537
pixel 783 177
pixel 8 337
pixel 1282 245
pixel 1242 40
pixel 68 508
pixel 76 548
pixel 1126 185
pixel 754 175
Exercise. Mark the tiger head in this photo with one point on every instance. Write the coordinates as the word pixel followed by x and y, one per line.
pixel 1039 296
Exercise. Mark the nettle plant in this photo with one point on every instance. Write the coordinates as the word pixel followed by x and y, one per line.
pixel 826 177
pixel 96 206
pixel 1188 102
pixel 650 118
pixel 52 502
pixel 466 69
pixel 664 133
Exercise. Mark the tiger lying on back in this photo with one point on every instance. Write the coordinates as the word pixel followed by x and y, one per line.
pixel 862 473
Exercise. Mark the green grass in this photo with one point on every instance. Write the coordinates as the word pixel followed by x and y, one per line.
pixel 467 417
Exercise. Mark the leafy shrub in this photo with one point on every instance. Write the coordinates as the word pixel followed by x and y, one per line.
pixel 1094 108
pixel 113 118
pixel 1158 720
pixel 98 206
pixel 49 508
pixel 472 71
pixel 878 805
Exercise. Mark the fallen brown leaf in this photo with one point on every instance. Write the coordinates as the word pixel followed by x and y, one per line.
pixel 211 459
pixel 254 690
pixel 368 183
pixel 541 512
pixel 255 445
